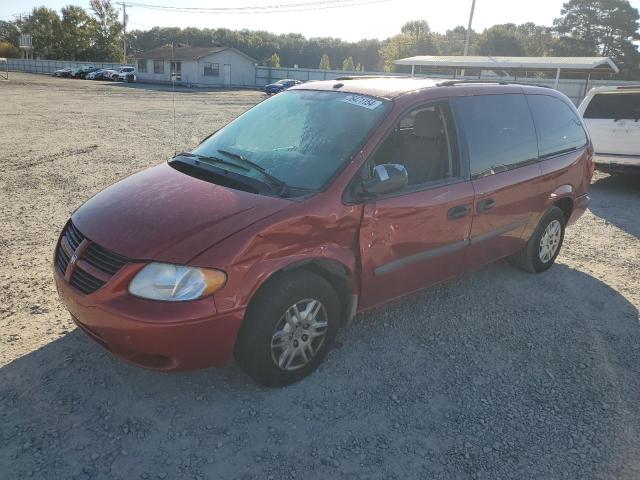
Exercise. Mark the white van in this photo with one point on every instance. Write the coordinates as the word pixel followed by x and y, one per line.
pixel 612 117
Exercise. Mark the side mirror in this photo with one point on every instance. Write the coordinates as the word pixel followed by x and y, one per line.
pixel 387 178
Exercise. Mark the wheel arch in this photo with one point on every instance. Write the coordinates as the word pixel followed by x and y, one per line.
pixel 562 197
pixel 566 205
pixel 339 276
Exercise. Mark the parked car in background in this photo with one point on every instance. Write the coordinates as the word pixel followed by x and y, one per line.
pixel 63 73
pixel 126 74
pixel 97 75
pixel 280 85
pixel 325 200
pixel 82 72
pixel 611 115
pixel 109 73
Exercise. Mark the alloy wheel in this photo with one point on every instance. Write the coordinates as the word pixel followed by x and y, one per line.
pixel 550 241
pixel 299 334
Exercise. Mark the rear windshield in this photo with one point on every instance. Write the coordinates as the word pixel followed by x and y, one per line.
pixel 614 106
pixel 301 137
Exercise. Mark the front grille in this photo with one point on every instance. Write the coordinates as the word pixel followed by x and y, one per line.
pixel 103 259
pixel 105 262
pixel 85 282
pixel 62 260
pixel 73 236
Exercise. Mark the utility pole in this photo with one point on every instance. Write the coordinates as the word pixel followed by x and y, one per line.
pixel 124 31
pixel 468 36
pixel 466 40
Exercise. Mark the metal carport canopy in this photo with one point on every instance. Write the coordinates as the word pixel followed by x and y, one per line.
pixel 585 64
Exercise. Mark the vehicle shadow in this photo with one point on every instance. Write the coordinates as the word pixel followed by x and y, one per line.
pixel 500 374
pixel 167 87
pixel 616 199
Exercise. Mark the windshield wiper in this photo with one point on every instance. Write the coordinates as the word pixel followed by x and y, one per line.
pixel 275 181
pixel 211 159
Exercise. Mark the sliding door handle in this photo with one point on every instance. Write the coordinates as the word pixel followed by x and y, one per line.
pixel 460 211
pixel 486 204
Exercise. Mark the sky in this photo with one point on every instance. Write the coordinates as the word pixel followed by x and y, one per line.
pixel 351 23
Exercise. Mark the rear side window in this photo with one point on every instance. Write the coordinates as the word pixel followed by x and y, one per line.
pixel 559 129
pixel 614 106
pixel 499 132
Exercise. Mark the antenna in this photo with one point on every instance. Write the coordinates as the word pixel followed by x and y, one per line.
pixel 173 97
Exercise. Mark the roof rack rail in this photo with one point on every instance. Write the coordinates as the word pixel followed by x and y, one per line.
pixel 624 87
pixel 368 77
pixel 451 83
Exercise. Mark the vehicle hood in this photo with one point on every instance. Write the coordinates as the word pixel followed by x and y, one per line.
pixel 165 215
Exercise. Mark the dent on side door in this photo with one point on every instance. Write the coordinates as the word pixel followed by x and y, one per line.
pixel 411 241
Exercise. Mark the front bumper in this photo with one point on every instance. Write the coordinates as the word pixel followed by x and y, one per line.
pixel 163 336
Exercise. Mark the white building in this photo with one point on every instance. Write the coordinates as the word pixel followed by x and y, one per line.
pixel 199 66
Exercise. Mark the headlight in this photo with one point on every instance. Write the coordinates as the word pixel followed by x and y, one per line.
pixel 176 283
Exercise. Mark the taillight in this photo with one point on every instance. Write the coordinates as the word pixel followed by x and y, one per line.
pixel 590 165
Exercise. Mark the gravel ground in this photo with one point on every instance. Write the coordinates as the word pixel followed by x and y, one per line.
pixel 500 374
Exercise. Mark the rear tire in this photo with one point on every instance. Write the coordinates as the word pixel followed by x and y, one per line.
pixel 281 340
pixel 543 247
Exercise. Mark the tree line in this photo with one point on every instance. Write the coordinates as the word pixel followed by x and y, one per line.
pixel 72 34
pixel 583 28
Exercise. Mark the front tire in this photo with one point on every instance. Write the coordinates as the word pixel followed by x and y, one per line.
pixel 288 329
pixel 543 247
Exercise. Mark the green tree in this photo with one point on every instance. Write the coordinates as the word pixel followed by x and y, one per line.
pixel 415 38
pixel 43 24
pixel 325 64
pixel 77 32
pixel 108 31
pixel 605 27
pixel 452 42
pixel 9 32
pixel 274 60
pixel 537 40
pixel 501 40
pixel 347 64
pixel 359 68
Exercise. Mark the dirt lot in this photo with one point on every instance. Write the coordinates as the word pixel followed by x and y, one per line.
pixel 500 374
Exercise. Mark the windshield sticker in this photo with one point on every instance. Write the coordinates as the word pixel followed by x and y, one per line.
pixel 362 101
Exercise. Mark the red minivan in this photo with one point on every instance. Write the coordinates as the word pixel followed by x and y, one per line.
pixel 326 200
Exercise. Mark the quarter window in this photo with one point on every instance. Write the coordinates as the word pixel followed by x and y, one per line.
pixel 142 66
pixel 158 66
pixel 211 69
pixel 499 132
pixel 558 128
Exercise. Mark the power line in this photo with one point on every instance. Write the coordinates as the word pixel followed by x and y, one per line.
pixel 258 9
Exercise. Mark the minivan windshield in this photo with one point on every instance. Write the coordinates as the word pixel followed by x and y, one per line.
pixel 300 137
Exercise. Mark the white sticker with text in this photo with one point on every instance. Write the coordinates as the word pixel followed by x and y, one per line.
pixel 362 101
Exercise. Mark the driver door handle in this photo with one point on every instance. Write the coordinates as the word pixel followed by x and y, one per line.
pixel 486 204
pixel 459 211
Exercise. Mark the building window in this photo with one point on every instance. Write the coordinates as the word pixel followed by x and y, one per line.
pixel 158 66
pixel 211 69
pixel 142 66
